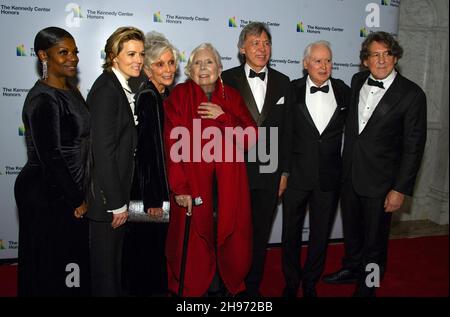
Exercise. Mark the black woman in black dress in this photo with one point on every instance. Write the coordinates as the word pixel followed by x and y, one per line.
pixel 50 190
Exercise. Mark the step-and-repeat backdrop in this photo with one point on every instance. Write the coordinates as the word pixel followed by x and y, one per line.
pixel 293 23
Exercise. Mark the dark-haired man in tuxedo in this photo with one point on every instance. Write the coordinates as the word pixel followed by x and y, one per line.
pixel 263 90
pixel 385 136
pixel 316 111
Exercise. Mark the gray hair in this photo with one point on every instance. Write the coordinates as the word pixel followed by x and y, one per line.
pixel 155 45
pixel 308 48
pixel 253 28
pixel 203 46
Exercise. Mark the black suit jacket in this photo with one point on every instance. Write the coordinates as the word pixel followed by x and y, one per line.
pixel 114 140
pixel 272 115
pixel 387 153
pixel 313 160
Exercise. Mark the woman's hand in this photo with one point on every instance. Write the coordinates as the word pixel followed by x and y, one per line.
pixel 119 219
pixel 184 201
pixel 208 110
pixel 155 212
pixel 80 210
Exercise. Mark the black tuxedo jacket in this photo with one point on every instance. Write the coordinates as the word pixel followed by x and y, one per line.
pixel 272 115
pixel 313 160
pixel 114 140
pixel 387 153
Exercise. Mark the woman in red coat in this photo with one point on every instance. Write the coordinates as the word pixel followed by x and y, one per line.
pixel 203 129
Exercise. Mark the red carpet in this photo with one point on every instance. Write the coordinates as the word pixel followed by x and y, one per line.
pixel 417 267
pixel 8 280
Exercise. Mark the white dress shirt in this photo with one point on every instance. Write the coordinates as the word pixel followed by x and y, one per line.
pixel 130 97
pixel 321 106
pixel 370 96
pixel 127 90
pixel 257 86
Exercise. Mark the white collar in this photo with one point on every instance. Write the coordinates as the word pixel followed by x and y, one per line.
pixel 247 70
pixel 310 83
pixel 388 80
pixel 122 80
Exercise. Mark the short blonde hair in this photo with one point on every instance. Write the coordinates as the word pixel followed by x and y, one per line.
pixel 114 44
pixel 203 46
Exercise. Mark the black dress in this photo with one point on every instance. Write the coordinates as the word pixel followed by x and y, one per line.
pixel 53 244
pixel 144 263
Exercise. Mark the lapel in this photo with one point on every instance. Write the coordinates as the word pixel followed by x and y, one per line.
pixel 339 100
pixel 118 87
pixel 269 100
pixel 301 91
pixel 353 116
pixel 246 93
pixel 390 98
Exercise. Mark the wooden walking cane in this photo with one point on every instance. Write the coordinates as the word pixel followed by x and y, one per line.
pixel 187 228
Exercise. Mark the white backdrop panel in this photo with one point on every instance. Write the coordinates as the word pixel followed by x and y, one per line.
pixel 293 23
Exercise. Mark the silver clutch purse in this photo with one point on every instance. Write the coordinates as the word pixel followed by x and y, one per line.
pixel 136 212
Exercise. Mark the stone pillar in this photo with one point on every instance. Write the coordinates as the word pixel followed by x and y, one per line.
pixel 423 33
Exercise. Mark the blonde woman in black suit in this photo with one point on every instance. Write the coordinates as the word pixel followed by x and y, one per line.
pixel 113 143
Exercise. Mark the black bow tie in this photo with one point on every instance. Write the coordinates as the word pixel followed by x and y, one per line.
pixel 315 89
pixel 377 83
pixel 253 74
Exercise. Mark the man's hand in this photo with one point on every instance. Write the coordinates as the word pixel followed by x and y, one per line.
pixel 393 201
pixel 80 210
pixel 283 185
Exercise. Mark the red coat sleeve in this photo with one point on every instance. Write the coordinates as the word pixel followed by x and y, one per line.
pixel 175 118
pixel 235 115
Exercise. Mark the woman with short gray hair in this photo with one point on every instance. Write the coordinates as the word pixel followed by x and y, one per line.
pixel 144 263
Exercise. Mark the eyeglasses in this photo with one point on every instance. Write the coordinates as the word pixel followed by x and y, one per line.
pixel 383 54
pixel 256 43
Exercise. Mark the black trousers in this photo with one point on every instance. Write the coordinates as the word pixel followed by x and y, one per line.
pixel 144 265
pixel 106 246
pixel 366 229
pixel 264 203
pixel 322 209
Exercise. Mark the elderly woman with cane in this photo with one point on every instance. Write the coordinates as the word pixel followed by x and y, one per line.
pixel 207 128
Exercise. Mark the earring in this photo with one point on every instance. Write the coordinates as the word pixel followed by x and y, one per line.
pixel 223 87
pixel 44 70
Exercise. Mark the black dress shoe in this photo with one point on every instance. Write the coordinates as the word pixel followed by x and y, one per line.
pixel 309 291
pixel 343 276
pixel 290 292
